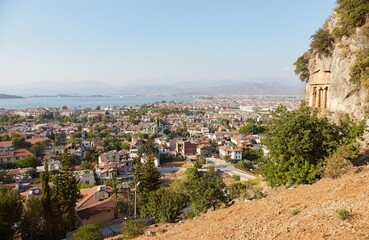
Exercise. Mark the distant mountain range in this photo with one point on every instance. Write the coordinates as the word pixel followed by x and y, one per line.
pixel 6 96
pixel 187 88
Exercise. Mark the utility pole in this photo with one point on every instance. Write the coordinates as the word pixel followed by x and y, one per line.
pixel 129 204
pixel 135 212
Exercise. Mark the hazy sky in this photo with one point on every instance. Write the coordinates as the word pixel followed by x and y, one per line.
pixel 137 41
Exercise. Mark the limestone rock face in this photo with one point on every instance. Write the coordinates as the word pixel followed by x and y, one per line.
pixel 329 88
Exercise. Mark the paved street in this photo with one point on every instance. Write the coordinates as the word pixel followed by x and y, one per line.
pixel 228 168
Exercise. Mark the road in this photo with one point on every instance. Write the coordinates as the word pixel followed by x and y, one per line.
pixel 228 168
pixel 218 164
pixel 169 170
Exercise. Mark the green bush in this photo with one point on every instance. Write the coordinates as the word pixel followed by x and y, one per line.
pixel 133 228
pixel 322 42
pixel 294 211
pixel 301 67
pixel 359 72
pixel 236 177
pixel 343 214
pixel 204 190
pixel 298 141
pixel 341 161
pixel 163 204
pixel 353 14
pixel 245 165
pixel 90 232
pixel 237 190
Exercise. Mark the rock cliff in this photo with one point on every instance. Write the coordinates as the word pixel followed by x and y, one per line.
pixel 329 85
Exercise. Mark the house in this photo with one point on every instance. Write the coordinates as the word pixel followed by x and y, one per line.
pixel 162 149
pixel 95 113
pixel 53 163
pixel 243 141
pixel 234 153
pixel 15 155
pixel 150 128
pixel 156 160
pixel 96 206
pixel 17 174
pixel 203 150
pixel 85 176
pixel 186 148
pixel 193 131
pixel 114 164
pixel 134 147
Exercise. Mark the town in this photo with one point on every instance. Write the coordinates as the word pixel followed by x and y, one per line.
pixel 105 145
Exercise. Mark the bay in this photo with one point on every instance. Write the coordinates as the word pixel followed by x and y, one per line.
pixel 91 102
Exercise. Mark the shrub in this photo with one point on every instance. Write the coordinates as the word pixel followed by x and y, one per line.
pixel 163 204
pixel 336 166
pixel 343 214
pixel 340 162
pixel 133 228
pixel 294 211
pixel 245 165
pixel 190 214
pixel 236 177
pixel 301 67
pixel 322 42
pixel 90 232
pixel 307 141
pixel 353 14
pixel 237 190
pixel 359 72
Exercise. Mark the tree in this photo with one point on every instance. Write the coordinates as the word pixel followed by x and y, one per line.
pixel 204 190
pixel 32 221
pixel 90 232
pixel 67 191
pixel 252 154
pixel 19 142
pixel 322 42
pixel 113 183
pixel 352 14
pixel 31 161
pixel 125 145
pixel 163 204
pixel 302 67
pixel 38 149
pixel 47 201
pixel 148 175
pixel 227 158
pixel 10 211
pixel 5 137
pixel 251 128
pixel 298 142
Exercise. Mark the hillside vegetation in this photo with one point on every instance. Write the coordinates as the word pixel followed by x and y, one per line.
pixel 306 212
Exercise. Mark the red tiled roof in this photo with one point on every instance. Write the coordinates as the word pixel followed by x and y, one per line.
pixel 36 140
pixel 19 153
pixel 6 144
pixel 102 206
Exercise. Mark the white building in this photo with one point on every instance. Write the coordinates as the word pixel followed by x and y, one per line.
pixel 234 153
pixel 85 176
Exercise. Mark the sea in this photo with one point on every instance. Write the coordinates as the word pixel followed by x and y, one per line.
pixel 85 102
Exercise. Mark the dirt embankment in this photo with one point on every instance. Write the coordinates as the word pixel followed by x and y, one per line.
pixel 305 212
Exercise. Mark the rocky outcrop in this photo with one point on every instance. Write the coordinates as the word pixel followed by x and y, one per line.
pixel 329 87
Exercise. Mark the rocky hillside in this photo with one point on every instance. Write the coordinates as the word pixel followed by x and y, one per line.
pixel 335 67
pixel 305 212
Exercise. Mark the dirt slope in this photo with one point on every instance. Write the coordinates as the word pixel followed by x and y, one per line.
pixel 271 218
